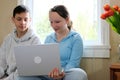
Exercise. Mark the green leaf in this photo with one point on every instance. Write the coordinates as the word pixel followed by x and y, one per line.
pixel 114 22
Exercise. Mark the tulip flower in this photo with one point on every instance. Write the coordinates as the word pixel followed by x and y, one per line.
pixel 112 16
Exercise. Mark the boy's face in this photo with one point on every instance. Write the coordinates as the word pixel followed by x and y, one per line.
pixel 22 21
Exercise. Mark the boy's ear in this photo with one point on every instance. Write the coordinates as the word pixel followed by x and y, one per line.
pixel 12 18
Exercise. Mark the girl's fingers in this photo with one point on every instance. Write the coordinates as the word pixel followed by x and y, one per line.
pixel 56 74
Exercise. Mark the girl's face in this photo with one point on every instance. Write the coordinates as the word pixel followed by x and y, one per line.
pixel 57 22
pixel 22 21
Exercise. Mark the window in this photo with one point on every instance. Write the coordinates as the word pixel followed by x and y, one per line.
pixel 86 21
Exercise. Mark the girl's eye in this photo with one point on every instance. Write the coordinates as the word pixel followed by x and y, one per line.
pixel 54 22
pixel 57 22
pixel 51 22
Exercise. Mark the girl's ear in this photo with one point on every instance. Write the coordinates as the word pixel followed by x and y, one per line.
pixel 67 20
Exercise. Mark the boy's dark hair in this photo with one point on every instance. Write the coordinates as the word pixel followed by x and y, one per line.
pixel 19 9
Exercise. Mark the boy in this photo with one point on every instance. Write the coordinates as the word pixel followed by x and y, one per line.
pixel 21 35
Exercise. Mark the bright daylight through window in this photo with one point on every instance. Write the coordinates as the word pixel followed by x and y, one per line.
pixel 86 20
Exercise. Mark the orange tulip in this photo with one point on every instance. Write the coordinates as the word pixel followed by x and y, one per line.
pixel 112 16
pixel 106 7
pixel 115 7
pixel 103 16
pixel 110 12
pixel 119 10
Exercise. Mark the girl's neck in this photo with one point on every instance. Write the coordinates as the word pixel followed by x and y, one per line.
pixel 62 34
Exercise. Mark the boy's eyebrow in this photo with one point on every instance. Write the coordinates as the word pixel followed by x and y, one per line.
pixel 17 17
pixel 21 17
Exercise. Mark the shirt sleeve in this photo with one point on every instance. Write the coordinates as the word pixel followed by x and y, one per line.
pixel 36 40
pixel 3 63
pixel 47 39
pixel 76 54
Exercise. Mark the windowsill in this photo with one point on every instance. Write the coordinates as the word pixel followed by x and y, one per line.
pixel 97 51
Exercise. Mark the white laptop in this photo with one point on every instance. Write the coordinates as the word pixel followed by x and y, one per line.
pixel 37 60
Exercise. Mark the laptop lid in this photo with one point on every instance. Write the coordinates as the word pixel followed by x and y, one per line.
pixel 36 60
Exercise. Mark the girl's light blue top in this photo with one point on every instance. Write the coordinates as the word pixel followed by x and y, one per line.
pixel 71 49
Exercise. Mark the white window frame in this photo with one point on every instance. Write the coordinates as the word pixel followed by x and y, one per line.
pixel 95 51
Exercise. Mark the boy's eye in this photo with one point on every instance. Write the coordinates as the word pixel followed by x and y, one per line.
pixel 18 19
pixel 25 19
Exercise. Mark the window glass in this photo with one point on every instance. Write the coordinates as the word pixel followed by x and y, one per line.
pixel 82 13
pixel 86 21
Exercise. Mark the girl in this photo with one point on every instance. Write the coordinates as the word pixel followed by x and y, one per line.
pixel 70 43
